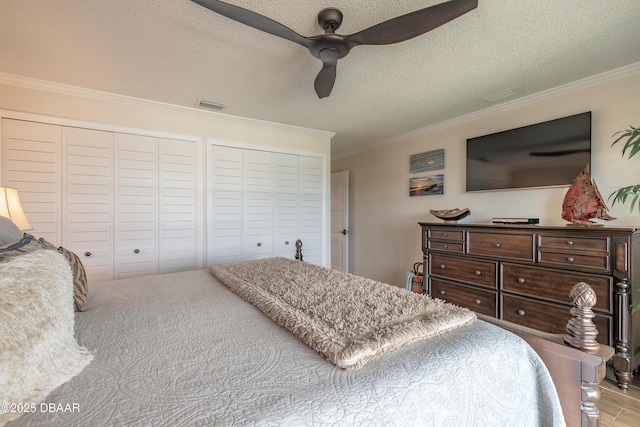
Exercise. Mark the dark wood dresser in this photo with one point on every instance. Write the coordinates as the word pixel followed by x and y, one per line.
pixel 523 274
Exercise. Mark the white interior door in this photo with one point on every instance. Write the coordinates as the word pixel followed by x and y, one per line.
pixel 340 221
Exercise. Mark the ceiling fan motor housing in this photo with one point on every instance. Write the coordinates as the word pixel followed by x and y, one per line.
pixel 330 19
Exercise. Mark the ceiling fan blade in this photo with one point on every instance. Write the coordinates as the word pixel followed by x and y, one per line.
pixel 412 24
pixel 558 153
pixel 325 79
pixel 254 20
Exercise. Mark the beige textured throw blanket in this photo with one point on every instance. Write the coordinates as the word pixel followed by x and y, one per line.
pixel 348 319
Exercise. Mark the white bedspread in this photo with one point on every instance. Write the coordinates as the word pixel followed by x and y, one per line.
pixel 183 350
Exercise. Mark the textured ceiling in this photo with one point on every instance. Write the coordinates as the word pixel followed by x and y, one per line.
pixel 177 52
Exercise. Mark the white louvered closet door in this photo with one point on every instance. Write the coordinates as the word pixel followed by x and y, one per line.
pixel 31 153
pixel 88 199
pixel 257 224
pixel 261 202
pixel 311 208
pixel 178 206
pixel 136 205
pixel 286 212
pixel 226 204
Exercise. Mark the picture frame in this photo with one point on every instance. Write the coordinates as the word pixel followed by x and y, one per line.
pixel 427 161
pixel 427 185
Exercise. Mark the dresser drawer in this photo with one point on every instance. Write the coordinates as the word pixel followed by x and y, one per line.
pixel 482 273
pixel 575 260
pixel 446 246
pixel 575 244
pixel 441 234
pixel 548 317
pixel 480 301
pixel 554 284
pixel 515 246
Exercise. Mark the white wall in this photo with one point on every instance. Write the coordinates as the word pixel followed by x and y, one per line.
pixel 385 237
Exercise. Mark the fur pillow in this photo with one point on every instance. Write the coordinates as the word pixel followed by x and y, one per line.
pixel 38 350
pixel 9 232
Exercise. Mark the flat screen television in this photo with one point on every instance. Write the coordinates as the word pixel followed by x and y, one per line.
pixel 541 155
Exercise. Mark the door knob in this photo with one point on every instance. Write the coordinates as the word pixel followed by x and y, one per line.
pixel 344 232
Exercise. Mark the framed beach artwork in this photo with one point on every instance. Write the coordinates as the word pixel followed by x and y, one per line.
pixel 427 185
pixel 427 161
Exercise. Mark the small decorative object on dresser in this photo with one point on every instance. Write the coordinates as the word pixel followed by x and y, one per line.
pixel 451 215
pixel 583 201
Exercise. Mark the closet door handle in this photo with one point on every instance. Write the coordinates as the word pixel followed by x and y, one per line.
pixel 259 244
pixel 136 251
pixel 286 242
pixel 87 253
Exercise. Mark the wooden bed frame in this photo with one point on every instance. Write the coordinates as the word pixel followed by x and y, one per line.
pixel 576 362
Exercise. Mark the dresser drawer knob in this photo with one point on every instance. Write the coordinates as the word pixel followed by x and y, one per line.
pixel 521 313
pixel 521 280
pixel 497 245
pixel 442 292
pixel 570 259
pixel 445 246
pixel 445 234
pixel 442 266
pixel 569 242
pixel 478 301
pixel 478 273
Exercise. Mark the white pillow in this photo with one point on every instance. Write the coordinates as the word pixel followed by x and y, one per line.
pixel 38 350
pixel 9 232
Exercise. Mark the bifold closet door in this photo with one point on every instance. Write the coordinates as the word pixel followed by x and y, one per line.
pixel 286 210
pixel 31 153
pixel 261 202
pixel 88 199
pixel 226 204
pixel 311 208
pixel 258 220
pixel 136 207
pixel 178 214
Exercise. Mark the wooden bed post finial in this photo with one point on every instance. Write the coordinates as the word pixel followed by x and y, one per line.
pixel 581 331
pixel 299 250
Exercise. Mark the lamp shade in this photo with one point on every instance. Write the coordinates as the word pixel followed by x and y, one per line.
pixel 11 208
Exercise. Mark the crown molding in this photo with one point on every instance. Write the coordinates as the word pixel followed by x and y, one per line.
pixel 96 95
pixel 587 82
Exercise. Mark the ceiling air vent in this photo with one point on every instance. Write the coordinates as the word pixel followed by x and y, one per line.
pixel 500 95
pixel 210 104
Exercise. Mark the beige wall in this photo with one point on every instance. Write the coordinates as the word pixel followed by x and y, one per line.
pixel 77 104
pixel 385 236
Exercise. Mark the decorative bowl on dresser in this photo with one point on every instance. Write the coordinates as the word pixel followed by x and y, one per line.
pixel 523 274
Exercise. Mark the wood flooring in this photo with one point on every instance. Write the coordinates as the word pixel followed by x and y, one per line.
pixel 619 409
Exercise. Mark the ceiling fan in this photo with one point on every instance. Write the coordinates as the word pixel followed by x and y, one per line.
pixel 330 47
